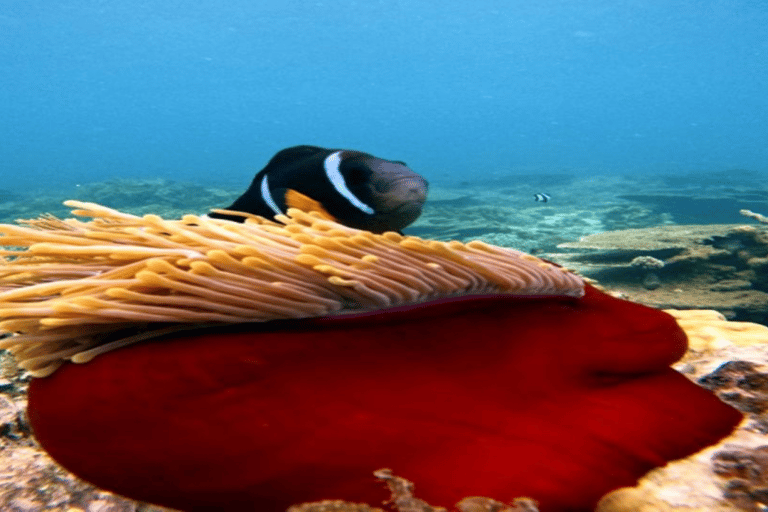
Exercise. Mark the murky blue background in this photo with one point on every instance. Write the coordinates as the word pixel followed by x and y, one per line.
pixel 208 90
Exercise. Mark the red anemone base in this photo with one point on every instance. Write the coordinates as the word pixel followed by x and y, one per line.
pixel 561 400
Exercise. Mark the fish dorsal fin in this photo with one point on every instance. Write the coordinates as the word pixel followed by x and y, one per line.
pixel 290 155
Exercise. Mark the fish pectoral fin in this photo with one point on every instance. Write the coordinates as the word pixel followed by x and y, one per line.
pixel 295 199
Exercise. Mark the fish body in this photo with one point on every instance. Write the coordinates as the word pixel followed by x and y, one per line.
pixel 353 188
pixel 541 197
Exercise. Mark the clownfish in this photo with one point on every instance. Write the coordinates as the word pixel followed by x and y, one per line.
pixel 541 197
pixel 350 187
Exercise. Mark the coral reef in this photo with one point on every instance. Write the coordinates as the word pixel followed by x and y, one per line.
pixel 333 506
pixel 742 385
pixel 158 196
pixel 403 500
pixel 709 331
pixel 722 267
pixel 507 215
pixel 744 469
pixel 138 196
pixel 727 358
pixel 747 474
pixel 758 217
pixel 500 211
pixel 651 280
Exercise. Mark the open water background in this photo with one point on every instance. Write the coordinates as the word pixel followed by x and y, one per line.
pixel 207 91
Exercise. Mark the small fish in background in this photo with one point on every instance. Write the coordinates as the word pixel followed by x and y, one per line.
pixel 353 188
pixel 541 197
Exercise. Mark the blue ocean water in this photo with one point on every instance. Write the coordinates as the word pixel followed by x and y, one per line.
pixel 207 91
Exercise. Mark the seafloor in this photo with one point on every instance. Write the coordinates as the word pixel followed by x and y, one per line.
pixel 669 241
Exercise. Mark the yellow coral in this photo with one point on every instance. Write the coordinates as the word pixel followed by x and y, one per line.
pixel 709 330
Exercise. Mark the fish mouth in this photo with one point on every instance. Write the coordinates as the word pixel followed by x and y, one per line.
pixel 401 215
pixel 406 208
pixel 397 202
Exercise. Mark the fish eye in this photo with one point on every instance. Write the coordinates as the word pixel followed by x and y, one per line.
pixel 356 175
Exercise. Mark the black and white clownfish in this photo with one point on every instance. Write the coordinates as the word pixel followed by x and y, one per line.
pixel 541 197
pixel 353 188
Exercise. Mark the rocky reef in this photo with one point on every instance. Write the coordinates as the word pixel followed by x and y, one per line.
pixel 137 196
pixel 719 266
pixel 728 358
pixel 403 500
pixel 507 214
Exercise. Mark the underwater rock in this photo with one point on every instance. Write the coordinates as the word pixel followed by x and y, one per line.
pixel 742 385
pixel 730 285
pixel 404 500
pixel 505 213
pixel 5 385
pixel 709 330
pixel 727 358
pixel 651 281
pixel 333 506
pixel 139 196
pixel 757 216
pixel 746 471
pixel 9 417
pixel 719 267
pixel 156 195
pixel 30 482
pixel 647 262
